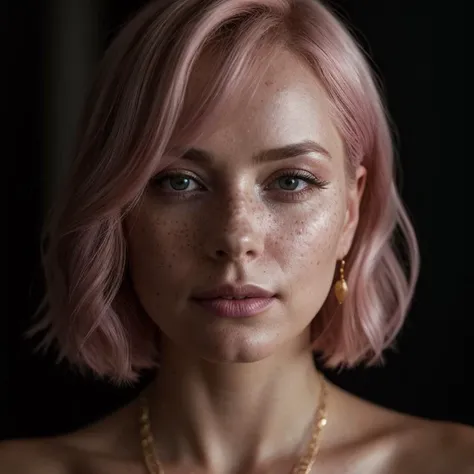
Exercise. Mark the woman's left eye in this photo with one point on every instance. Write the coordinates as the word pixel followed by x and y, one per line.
pixel 297 181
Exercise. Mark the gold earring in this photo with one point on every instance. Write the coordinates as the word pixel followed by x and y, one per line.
pixel 340 287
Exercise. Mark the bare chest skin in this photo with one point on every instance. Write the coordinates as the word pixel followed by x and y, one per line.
pixel 404 451
pixel 375 458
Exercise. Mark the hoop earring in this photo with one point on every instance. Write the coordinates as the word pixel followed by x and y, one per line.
pixel 340 287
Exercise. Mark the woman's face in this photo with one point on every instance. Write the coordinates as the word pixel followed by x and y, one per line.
pixel 243 209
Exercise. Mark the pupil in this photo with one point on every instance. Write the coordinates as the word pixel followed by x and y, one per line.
pixel 289 183
pixel 179 183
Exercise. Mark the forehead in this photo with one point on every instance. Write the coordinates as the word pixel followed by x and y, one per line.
pixel 289 105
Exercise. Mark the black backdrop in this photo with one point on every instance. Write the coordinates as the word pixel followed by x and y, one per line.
pixel 420 52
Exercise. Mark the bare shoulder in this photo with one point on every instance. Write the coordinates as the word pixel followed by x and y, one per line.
pixel 32 456
pixel 422 446
pixel 434 447
pixel 102 447
pixel 397 443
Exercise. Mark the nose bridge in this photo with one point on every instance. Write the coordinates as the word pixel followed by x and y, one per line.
pixel 239 212
pixel 237 230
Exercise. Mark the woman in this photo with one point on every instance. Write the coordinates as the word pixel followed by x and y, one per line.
pixel 230 214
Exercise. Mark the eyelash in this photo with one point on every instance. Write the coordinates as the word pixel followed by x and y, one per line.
pixel 311 180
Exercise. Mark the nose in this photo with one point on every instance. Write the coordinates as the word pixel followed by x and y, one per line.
pixel 236 232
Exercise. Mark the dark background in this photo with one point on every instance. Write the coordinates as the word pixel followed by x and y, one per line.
pixel 52 48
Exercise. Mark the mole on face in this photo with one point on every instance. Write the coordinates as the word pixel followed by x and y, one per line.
pixel 277 223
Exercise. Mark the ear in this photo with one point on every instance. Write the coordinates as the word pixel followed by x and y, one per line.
pixel 354 195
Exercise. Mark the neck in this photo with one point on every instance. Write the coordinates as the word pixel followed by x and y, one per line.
pixel 219 416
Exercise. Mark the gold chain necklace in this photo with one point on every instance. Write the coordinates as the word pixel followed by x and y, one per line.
pixel 303 466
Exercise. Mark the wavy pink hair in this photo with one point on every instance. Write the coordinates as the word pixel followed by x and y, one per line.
pixel 137 110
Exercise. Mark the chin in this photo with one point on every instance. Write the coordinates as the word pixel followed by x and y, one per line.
pixel 242 356
pixel 232 346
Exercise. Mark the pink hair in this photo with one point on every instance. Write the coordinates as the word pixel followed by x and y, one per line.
pixel 137 111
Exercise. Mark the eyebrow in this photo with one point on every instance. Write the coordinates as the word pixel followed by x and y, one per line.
pixel 273 154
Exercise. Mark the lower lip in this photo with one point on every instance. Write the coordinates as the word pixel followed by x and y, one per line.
pixel 236 308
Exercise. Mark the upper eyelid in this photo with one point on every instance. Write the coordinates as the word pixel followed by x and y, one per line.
pixel 178 171
pixel 294 172
pixel 171 173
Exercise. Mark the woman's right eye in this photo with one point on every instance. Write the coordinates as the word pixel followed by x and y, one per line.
pixel 176 182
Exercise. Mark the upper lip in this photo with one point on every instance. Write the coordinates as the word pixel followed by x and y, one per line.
pixel 234 291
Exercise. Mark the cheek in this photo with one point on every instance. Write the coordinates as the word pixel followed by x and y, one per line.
pixel 159 252
pixel 307 256
pixel 310 238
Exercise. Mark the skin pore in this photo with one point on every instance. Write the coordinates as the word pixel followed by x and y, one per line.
pixel 242 391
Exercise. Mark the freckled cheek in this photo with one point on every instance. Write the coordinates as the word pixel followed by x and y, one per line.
pixel 309 240
pixel 158 247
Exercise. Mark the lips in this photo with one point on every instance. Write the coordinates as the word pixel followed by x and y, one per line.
pixel 230 301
